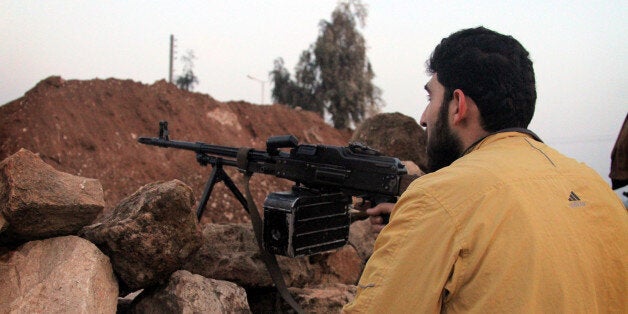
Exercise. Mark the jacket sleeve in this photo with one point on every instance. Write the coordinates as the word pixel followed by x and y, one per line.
pixel 412 260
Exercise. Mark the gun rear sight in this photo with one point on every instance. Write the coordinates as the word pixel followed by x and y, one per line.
pixel 274 143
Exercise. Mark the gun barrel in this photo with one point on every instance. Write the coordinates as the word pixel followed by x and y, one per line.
pixel 255 156
pixel 224 151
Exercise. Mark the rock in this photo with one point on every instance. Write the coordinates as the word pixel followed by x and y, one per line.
pixel 313 299
pixel 229 252
pixel 190 293
pixel 343 266
pixel 324 299
pixel 58 275
pixel 3 224
pixel 40 202
pixel 362 238
pixel 148 235
pixel 125 302
pixel 394 134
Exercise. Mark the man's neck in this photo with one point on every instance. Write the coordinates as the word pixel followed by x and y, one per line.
pixel 470 137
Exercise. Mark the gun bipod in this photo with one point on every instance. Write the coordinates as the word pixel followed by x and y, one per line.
pixel 218 174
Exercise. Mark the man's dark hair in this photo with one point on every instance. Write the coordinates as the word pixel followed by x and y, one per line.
pixel 493 69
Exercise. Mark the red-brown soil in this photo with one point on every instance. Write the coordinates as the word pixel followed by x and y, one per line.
pixel 90 128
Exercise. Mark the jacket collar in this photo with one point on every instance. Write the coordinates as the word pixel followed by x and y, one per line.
pixel 509 132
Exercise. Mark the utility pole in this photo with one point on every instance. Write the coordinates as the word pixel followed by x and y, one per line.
pixel 171 58
pixel 261 82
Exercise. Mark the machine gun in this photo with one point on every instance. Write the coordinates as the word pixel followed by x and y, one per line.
pixel 313 217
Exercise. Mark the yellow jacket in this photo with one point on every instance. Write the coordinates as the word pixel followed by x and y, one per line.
pixel 511 227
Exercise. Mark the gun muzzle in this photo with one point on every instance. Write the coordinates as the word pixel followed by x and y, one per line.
pixel 145 140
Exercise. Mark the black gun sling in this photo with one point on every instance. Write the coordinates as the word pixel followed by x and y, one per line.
pixel 269 259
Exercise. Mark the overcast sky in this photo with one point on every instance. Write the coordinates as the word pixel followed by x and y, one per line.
pixel 579 49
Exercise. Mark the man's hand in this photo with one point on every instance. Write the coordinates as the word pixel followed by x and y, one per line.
pixel 378 215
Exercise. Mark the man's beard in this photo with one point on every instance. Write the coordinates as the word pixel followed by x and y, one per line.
pixel 443 146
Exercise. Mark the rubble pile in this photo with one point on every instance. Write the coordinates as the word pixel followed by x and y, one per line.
pixel 93 221
pixel 150 246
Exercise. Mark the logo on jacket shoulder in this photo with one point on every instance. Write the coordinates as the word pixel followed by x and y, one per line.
pixel 574 200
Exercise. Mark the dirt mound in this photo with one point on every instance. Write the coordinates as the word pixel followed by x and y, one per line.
pixel 90 128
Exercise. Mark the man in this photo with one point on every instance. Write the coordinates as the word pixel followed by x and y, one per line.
pixel 619 162
pixel 502 223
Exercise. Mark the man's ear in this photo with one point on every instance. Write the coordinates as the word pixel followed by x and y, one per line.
pixel 460 112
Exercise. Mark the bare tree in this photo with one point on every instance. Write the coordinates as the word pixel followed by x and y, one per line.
pixel 188 79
